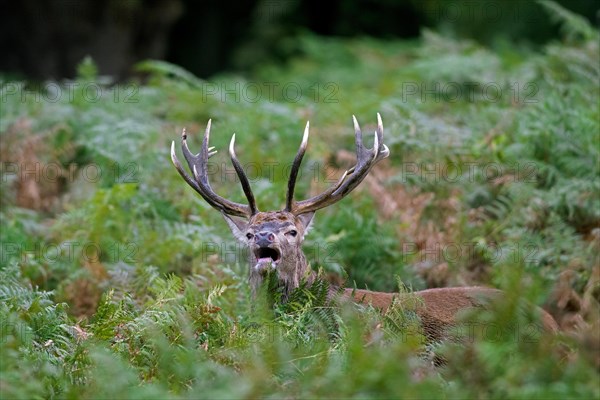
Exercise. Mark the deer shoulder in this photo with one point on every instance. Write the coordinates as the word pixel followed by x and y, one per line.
pixel 275 238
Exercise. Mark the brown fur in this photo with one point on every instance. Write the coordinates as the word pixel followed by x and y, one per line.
pixel 438 308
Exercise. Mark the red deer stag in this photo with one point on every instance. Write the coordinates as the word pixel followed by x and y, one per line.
pixel 275 237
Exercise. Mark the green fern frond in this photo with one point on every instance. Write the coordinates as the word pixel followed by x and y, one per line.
pixel 573 25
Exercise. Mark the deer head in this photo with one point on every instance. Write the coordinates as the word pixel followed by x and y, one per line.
pixel 275 238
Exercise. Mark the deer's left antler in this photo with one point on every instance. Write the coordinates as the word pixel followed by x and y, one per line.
pixel 350 179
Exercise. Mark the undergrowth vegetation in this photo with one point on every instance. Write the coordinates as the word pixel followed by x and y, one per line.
pixel 117 280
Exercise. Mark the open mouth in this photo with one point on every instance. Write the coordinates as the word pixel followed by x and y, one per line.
pixel 267 254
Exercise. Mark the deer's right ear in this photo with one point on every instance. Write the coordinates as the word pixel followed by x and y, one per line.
pixel 238 227
pixel 306 219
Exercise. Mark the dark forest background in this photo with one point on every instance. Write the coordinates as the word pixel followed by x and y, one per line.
pixel 47 39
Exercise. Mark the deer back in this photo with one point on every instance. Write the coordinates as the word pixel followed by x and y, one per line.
pixel 441 308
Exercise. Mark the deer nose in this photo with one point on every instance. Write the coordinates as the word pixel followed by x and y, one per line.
pixel 264 239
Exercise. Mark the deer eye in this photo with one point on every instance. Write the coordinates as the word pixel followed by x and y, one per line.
pixel 249 236
pixel 293 233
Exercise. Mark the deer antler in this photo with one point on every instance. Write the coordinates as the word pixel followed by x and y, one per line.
pixel 198 165
pixel 366 159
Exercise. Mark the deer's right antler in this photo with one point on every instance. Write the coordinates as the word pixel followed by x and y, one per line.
pixel 198 165
pixel 366 159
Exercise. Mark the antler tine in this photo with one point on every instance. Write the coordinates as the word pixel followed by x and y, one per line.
pixel 180 169
pixel 200 160
pixel 289 200
pixel 366 159
pixel 358 140
pixel 243 178
pixel 383 149
pixel 198 164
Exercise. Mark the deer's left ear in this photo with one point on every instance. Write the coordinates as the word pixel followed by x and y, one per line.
pixel 238 227
pixel 306 220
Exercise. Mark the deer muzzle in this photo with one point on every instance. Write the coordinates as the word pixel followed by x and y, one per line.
pixel 267 256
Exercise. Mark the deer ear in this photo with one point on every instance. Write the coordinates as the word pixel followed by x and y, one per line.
pixel 238 227
pixel 306 220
